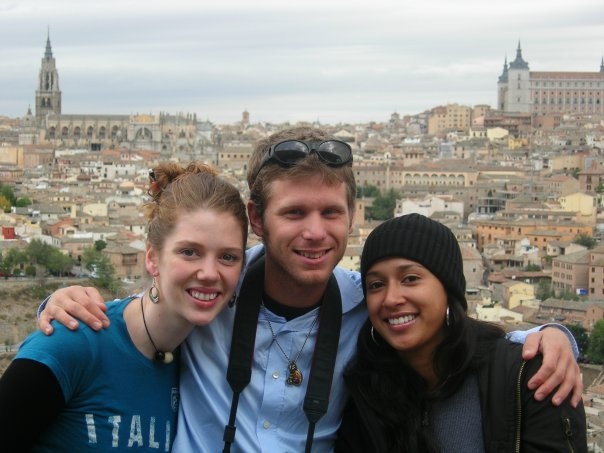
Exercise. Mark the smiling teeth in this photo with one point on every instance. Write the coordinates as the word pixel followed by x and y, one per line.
pixel 203 296
pixel 312 255
pixel 401 320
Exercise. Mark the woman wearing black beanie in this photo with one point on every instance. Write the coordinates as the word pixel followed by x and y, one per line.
pixel 428 378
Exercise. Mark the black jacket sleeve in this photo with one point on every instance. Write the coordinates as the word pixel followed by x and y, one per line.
pixel 352 435
pixel 30 399
pixel 546 427
pixel 361 430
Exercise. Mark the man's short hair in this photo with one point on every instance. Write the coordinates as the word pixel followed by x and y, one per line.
pixel 259 179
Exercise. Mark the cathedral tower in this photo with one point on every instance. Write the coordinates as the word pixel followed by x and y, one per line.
pixel 519 88
pixel 48 94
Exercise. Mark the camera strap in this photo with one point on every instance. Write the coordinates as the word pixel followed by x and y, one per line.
pixel 241 356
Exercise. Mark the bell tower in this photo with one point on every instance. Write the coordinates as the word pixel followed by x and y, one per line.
pixel 48 94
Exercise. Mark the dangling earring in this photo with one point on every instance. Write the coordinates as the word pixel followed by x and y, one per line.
pixel 373 336
pixel 447 317
pixel 154 292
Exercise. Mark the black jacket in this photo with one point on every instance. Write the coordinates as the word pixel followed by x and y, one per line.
pixel 512 419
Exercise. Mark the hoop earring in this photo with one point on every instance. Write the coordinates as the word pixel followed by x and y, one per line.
pixel 154 292
pixel 447 317
pixel 373 336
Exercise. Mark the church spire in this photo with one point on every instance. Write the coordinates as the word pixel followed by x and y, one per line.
pixel 48 94
pixel 504 75
pixel 602 65
pixel 519 63
pixel 48 52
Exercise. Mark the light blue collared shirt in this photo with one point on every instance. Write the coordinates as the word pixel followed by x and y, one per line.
pixel 270 417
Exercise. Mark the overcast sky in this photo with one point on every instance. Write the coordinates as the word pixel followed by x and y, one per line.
pixel 288 60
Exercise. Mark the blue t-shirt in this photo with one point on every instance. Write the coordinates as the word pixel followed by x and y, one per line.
pixel 117 400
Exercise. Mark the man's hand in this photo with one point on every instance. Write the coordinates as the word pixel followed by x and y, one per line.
pixel 67 304
pixel 559 368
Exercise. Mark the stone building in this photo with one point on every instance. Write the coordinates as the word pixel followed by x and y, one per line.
pixel 538 93
pixel 450 117
pixel 49 125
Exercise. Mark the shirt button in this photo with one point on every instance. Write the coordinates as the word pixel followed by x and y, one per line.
pixel 275 375
pixel 266 424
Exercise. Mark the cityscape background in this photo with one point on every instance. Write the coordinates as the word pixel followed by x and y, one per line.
pixel 312 60
pixel 486 117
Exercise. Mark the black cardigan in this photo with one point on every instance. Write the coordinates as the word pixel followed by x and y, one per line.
pixel 540 427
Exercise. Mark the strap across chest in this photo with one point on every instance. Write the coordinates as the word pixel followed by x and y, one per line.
pixel 241 356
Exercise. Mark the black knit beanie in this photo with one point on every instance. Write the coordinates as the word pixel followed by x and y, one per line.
pixel 422 240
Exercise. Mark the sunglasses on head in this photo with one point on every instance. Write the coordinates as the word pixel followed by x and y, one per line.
pixel 331 152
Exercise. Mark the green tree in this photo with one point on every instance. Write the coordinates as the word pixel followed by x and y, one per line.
pixel 5 204
pixel 38 252
pixel 532 268
pixel 581 337
pixel 19 256
pixel 5 265
pixel 595 350
pixel 383 205
pixel 10 260
pixel 22 202
pixel 106 275
pixel 31 271
pixel 100 245
pixel 367 191
pixel 568 295
pixel 7 192
pixel 18 259
pixel 58 263
pixel 90 258
pixel 585 240
pixel 544 289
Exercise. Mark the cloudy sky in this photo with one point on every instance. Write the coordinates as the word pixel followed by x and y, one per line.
pixel 286 60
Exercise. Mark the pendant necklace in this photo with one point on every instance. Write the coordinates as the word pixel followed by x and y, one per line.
pixel 294 376
pixel 160 356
